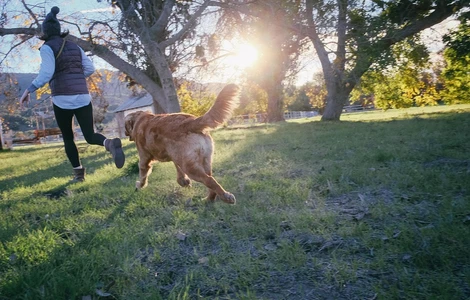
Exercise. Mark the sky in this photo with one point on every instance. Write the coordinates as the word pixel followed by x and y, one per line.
pixel 28 59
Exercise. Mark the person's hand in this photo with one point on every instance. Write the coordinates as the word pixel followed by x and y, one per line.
pixel 24 99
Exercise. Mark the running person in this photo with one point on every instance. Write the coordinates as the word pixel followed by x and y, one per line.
pixel 65 67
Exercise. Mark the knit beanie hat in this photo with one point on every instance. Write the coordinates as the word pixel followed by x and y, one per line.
pixel 51 25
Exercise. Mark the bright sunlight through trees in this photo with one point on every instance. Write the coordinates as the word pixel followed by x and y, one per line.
pixel 245 56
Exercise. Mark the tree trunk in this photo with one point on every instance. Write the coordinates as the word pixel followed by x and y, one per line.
pixel 275 104
pixel 157 96
pixel 335 101
pixel 160 100
pixel 166 79
pixel 163 93
pixel 1 135
pixel 338 91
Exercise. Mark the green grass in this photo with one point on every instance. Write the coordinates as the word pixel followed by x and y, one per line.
pixel 374 207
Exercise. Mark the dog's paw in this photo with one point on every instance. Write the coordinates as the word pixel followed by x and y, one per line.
pixel 229 198
pixel 184 181
pixel 139 185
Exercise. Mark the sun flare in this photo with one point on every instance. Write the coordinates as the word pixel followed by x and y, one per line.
pixel 244 55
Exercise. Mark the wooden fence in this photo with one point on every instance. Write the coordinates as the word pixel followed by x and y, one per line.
pixel 262 118
pixel 357 108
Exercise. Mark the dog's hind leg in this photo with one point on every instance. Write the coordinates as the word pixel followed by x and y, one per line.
pixel 207 165
pixel 145 169
pixel 181 177
pixel 214 187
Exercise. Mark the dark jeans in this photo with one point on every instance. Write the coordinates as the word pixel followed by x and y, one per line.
pixel 84 117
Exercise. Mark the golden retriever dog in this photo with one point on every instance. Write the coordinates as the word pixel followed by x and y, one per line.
pixel 183 139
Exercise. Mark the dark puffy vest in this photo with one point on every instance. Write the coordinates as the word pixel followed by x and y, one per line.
pixel 68 78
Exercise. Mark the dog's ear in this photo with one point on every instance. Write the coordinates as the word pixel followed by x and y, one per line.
pixel 129 124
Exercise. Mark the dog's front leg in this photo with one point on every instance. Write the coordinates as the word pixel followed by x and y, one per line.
pixel 145 169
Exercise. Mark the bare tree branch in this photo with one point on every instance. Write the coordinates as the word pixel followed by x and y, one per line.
pixel 128 11
pixel 162 21
pixel 211 61
pixel 311 32
pixel 92 26
pixel 13 47
pixel 16 31
pixel 76 25
pixel 187 26
pixel 33 15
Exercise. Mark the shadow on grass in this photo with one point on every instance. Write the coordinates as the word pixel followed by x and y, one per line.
pixel 292 152
pixel 64 169
pixel 40 282
pixel 57 191
pixel 54 190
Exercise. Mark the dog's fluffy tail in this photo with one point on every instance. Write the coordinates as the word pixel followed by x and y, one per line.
pixel 220 112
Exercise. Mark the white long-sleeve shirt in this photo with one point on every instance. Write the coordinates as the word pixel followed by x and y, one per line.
pixel 46 71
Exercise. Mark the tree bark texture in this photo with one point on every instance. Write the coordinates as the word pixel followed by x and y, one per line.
pixel 275 111
pixel 167 84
